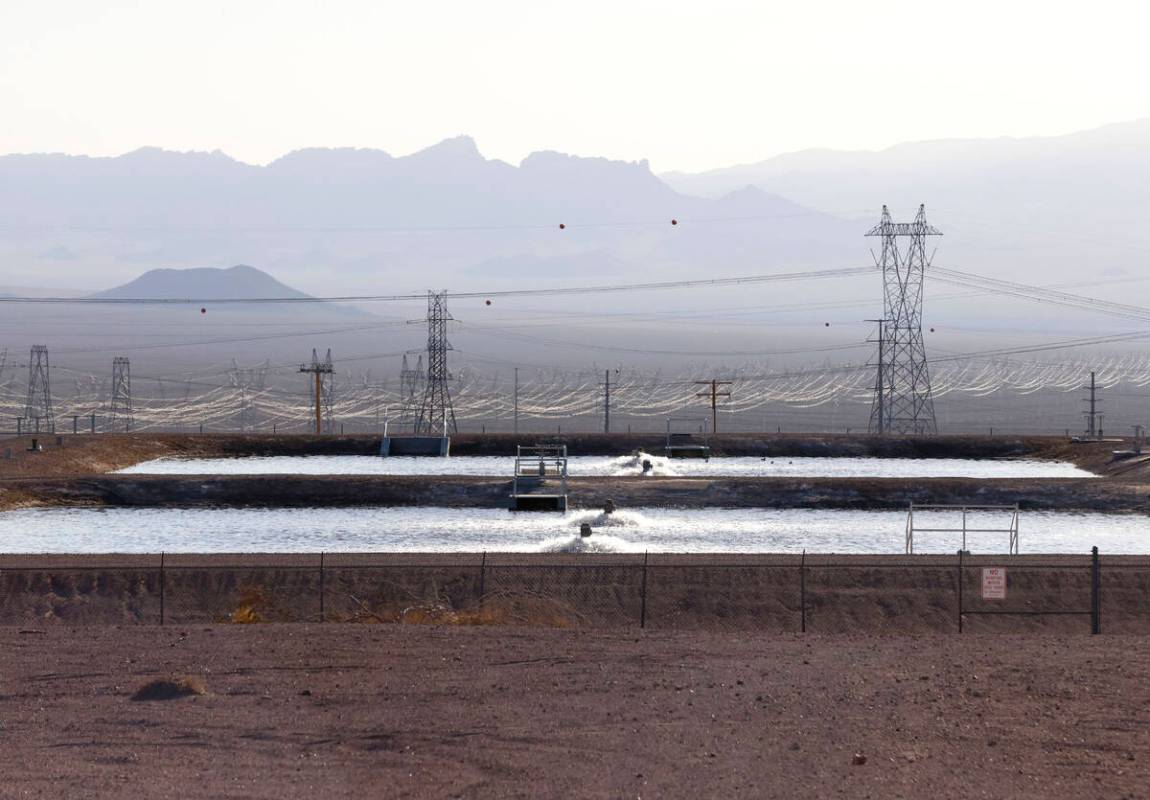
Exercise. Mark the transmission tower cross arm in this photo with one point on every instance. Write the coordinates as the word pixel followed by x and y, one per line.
pixel 920 227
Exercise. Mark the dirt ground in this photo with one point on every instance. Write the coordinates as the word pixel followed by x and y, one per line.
pixel 415 711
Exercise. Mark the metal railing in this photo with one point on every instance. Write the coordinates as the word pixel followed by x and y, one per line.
pixel 536 463
pixel 965 510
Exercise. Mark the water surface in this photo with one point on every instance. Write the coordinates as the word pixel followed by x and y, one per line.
pixel 424 529
pixel 619 466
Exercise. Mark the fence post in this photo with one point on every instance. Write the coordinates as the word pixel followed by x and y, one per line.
pixel 643 595
pixel 960 591
pixel 162 582
pixel 482 577
pixel 803 591
pixel 322 616
pixel 1095 593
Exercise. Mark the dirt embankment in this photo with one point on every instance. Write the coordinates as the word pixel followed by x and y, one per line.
pixel 73 470
pixel 778 593
pixel 77 455
pixel 85 455
pixel 177 491
pixel 335 711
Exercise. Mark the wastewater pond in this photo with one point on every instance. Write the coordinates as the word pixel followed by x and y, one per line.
pixel 425 529
pixel 639 464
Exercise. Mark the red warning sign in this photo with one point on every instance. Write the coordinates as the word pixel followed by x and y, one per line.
pixel 993 583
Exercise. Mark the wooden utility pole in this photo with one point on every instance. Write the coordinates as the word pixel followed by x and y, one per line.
pixel 318 369
pixel 714 393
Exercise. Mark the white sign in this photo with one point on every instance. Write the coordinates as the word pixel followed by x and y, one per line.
pixel 993 583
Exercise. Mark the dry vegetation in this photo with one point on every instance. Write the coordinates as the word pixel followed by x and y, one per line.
pixel 171 689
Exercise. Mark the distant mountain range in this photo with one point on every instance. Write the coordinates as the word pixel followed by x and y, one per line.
pixel 344 219
pixel 1057 210
pixel 1041 208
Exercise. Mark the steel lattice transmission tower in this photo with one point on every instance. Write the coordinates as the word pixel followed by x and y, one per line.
pixel 245 379
pixel 902 397
pixel 436 415
pixel 122 394
pixel 38 408
pixel 411 389
pixel 324 373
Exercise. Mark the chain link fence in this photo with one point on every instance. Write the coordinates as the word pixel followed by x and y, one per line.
pixel 775 593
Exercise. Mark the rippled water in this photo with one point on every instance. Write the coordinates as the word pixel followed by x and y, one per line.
pixel 622 465
pixel 128 530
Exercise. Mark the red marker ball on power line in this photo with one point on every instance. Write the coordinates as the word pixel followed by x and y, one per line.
pixel 203 311
pixel 561 226
pixel 488 302
pixel 674 222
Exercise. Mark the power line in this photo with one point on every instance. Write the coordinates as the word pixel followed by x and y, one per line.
pixel 1040 294
pixel 548 292
pixel 501 333
pixel 538 226
pixel 235 340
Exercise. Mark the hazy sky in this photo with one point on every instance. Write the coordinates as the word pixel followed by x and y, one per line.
pixel 687 85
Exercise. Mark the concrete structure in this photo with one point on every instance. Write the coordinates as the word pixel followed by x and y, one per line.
pixel 687 438
pixel 540 480
pixel 415 446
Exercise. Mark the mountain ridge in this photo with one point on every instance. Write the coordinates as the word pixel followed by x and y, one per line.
pixel 207 283
pixel 330 219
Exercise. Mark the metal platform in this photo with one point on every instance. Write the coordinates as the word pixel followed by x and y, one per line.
pixel 540 480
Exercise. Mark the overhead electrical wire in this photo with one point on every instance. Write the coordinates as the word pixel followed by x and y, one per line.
pixel 545 292
pixel 1040 294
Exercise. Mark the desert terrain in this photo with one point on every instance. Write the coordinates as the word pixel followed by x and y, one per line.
pixel 295 711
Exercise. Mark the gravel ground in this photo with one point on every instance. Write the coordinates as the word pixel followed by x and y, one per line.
pixel 414 711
